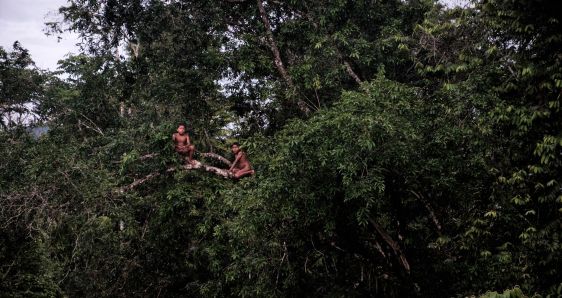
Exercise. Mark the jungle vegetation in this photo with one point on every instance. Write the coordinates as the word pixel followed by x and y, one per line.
pixel 402 148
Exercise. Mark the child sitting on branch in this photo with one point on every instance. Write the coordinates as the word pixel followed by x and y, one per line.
pixel 182 143
pixel 241 166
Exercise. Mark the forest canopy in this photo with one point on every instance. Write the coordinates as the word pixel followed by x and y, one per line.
pixel 400 148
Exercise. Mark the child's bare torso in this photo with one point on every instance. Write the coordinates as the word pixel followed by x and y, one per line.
pixel 181 141
pixel 243 161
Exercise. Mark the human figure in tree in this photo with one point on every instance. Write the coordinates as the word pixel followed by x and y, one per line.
pixel 241 166
pixel 183 144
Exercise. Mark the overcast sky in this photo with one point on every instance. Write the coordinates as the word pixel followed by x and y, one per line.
pixel 24 20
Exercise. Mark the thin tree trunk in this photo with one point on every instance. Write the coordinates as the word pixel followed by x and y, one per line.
pixel 277 56
pixel 273 46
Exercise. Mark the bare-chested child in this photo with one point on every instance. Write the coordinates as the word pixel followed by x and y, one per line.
pixel 183 144
pixel 241 166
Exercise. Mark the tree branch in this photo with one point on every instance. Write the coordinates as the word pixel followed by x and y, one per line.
pixel 277 56
pixel 393 244
pixel 351 72
pixel 273 46
pixel 217 157
pixel 429 209
pixel 203 154
pixel 195 166
pixel 201 166
pixel 148 156
pixel 138 182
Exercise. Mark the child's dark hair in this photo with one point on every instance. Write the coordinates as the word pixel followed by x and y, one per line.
pixel 182 124
pixel 235 143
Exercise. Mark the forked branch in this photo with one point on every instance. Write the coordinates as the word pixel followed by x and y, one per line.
pixel 196 165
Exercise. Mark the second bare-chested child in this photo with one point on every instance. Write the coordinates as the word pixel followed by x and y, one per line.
pixel 241 166
pixel 183 144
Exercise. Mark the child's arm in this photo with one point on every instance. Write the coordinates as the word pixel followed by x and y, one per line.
pixel 235 162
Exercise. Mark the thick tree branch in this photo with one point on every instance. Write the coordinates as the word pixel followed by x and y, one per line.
pixel 203 154
pixel 217 157
pixel 195 166
pixel 393 244
pixel 201 166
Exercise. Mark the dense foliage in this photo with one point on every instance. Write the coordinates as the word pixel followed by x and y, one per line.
pixel 401 148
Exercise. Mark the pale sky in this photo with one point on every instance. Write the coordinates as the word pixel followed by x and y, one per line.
pixel 24 21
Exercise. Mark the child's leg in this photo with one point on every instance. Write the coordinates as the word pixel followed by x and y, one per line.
pixel 190 151
pixel 244 172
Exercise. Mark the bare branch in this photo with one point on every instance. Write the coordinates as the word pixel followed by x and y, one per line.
pixel 429 209
pixel 196 165
pixel 201 166
pixel 203 154
pixel 393 244
pixel 379 248
pixel 93 125
pixel 148 156
pixel 351 72
pixel 138 182
pixel 217 157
